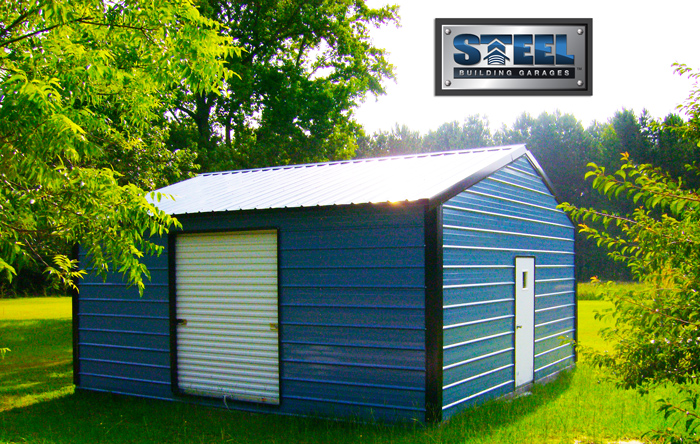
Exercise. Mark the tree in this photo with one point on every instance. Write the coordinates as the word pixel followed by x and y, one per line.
pixel 656 338
pixel 399 141
pixel 656 334
pixel 79 80
pixel 474 132
pixel 306 66
pixel 670 148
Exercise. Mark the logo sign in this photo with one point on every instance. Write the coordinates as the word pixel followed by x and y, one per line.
pixel 513 57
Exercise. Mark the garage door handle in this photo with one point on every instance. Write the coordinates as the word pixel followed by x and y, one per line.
pixel 182 322
pixel 516 327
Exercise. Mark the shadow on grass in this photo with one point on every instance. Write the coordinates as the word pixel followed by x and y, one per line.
pixel 39 364
pixel 88 417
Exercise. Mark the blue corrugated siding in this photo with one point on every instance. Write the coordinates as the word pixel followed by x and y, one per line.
pixel 124 339
pixel 352 324
pixel 509 214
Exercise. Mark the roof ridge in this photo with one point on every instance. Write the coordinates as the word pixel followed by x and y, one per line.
pixel 365 160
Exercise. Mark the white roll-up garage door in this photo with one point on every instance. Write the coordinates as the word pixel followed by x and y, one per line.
pixel 227 316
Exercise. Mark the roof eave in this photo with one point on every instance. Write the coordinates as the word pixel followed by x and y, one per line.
pixel 480 175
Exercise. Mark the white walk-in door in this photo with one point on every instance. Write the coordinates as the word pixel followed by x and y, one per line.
pixel 227 315
pixel 524 320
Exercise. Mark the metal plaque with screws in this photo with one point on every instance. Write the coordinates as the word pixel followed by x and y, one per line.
pixel 513 57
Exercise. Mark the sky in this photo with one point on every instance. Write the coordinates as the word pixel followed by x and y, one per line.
pixel 634 48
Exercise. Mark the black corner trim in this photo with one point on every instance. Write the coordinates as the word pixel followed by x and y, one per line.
pixel 433 314
pixel 473 179
pixel 174 386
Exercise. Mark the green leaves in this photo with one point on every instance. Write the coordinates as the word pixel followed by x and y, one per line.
pixel 81 85
pixel 306 66
pixel 657 330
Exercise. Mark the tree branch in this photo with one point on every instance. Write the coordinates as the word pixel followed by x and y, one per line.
pixel 17 21
pixel 26 36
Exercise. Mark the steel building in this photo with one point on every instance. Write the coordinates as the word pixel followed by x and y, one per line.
pixel 395 288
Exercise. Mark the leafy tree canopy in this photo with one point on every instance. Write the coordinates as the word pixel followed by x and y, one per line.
pixel 81 79
pixel 656 335
pixel 306 66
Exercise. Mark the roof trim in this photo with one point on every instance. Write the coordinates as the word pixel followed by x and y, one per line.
pixel 480 175
pixel 542 174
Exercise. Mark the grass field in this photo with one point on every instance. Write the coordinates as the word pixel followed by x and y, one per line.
pixel 38 403
pixel 594 292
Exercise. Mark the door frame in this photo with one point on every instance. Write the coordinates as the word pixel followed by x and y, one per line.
pixel 524 321
pixel 172 296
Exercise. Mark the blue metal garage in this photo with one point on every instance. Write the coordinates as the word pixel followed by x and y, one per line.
pixel 396 288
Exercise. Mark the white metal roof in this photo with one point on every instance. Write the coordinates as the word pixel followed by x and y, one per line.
pixel 353 182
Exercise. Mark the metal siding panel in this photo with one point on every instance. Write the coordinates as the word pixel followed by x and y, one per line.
pixel 521 178
pixel 354 393
pixel 470 276
pixel 485 256
pixel 470 295
pixel 324 407
pixel 553 355
pixel 509 214
pixel 491 220
pixel 413 338
pixel 502 189
pixel 361 357
pixel 131 323
pixel 354 297
pixel 556 286
pixel 350 316
pixel 506 241
pixel 122 290
pixel 227 293
pixel 544 345
pixel 554 300
pixel 121 307
pixel 410 277
pixel 155 356
pixel 333 373
pixel 555 328
pixel 555 367
pixel 474 331
pixel 369 237
pixel 547 315
pixel 478 398
pixel 126 386
pixel 457 354
pixel 546 273
pixel 122 339
pixel 462 393
pixel 352 312
pixel 461 315
pixel 480 365
pixel 159 277
pixel 157 374
pixel 379 257
pixel 508 207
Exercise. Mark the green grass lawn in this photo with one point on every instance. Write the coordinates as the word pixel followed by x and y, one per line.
pixel 38 403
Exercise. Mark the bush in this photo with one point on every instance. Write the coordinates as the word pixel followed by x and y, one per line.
pixel 656 333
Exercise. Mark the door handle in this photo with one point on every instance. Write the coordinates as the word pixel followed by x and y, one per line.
pixel 181 322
